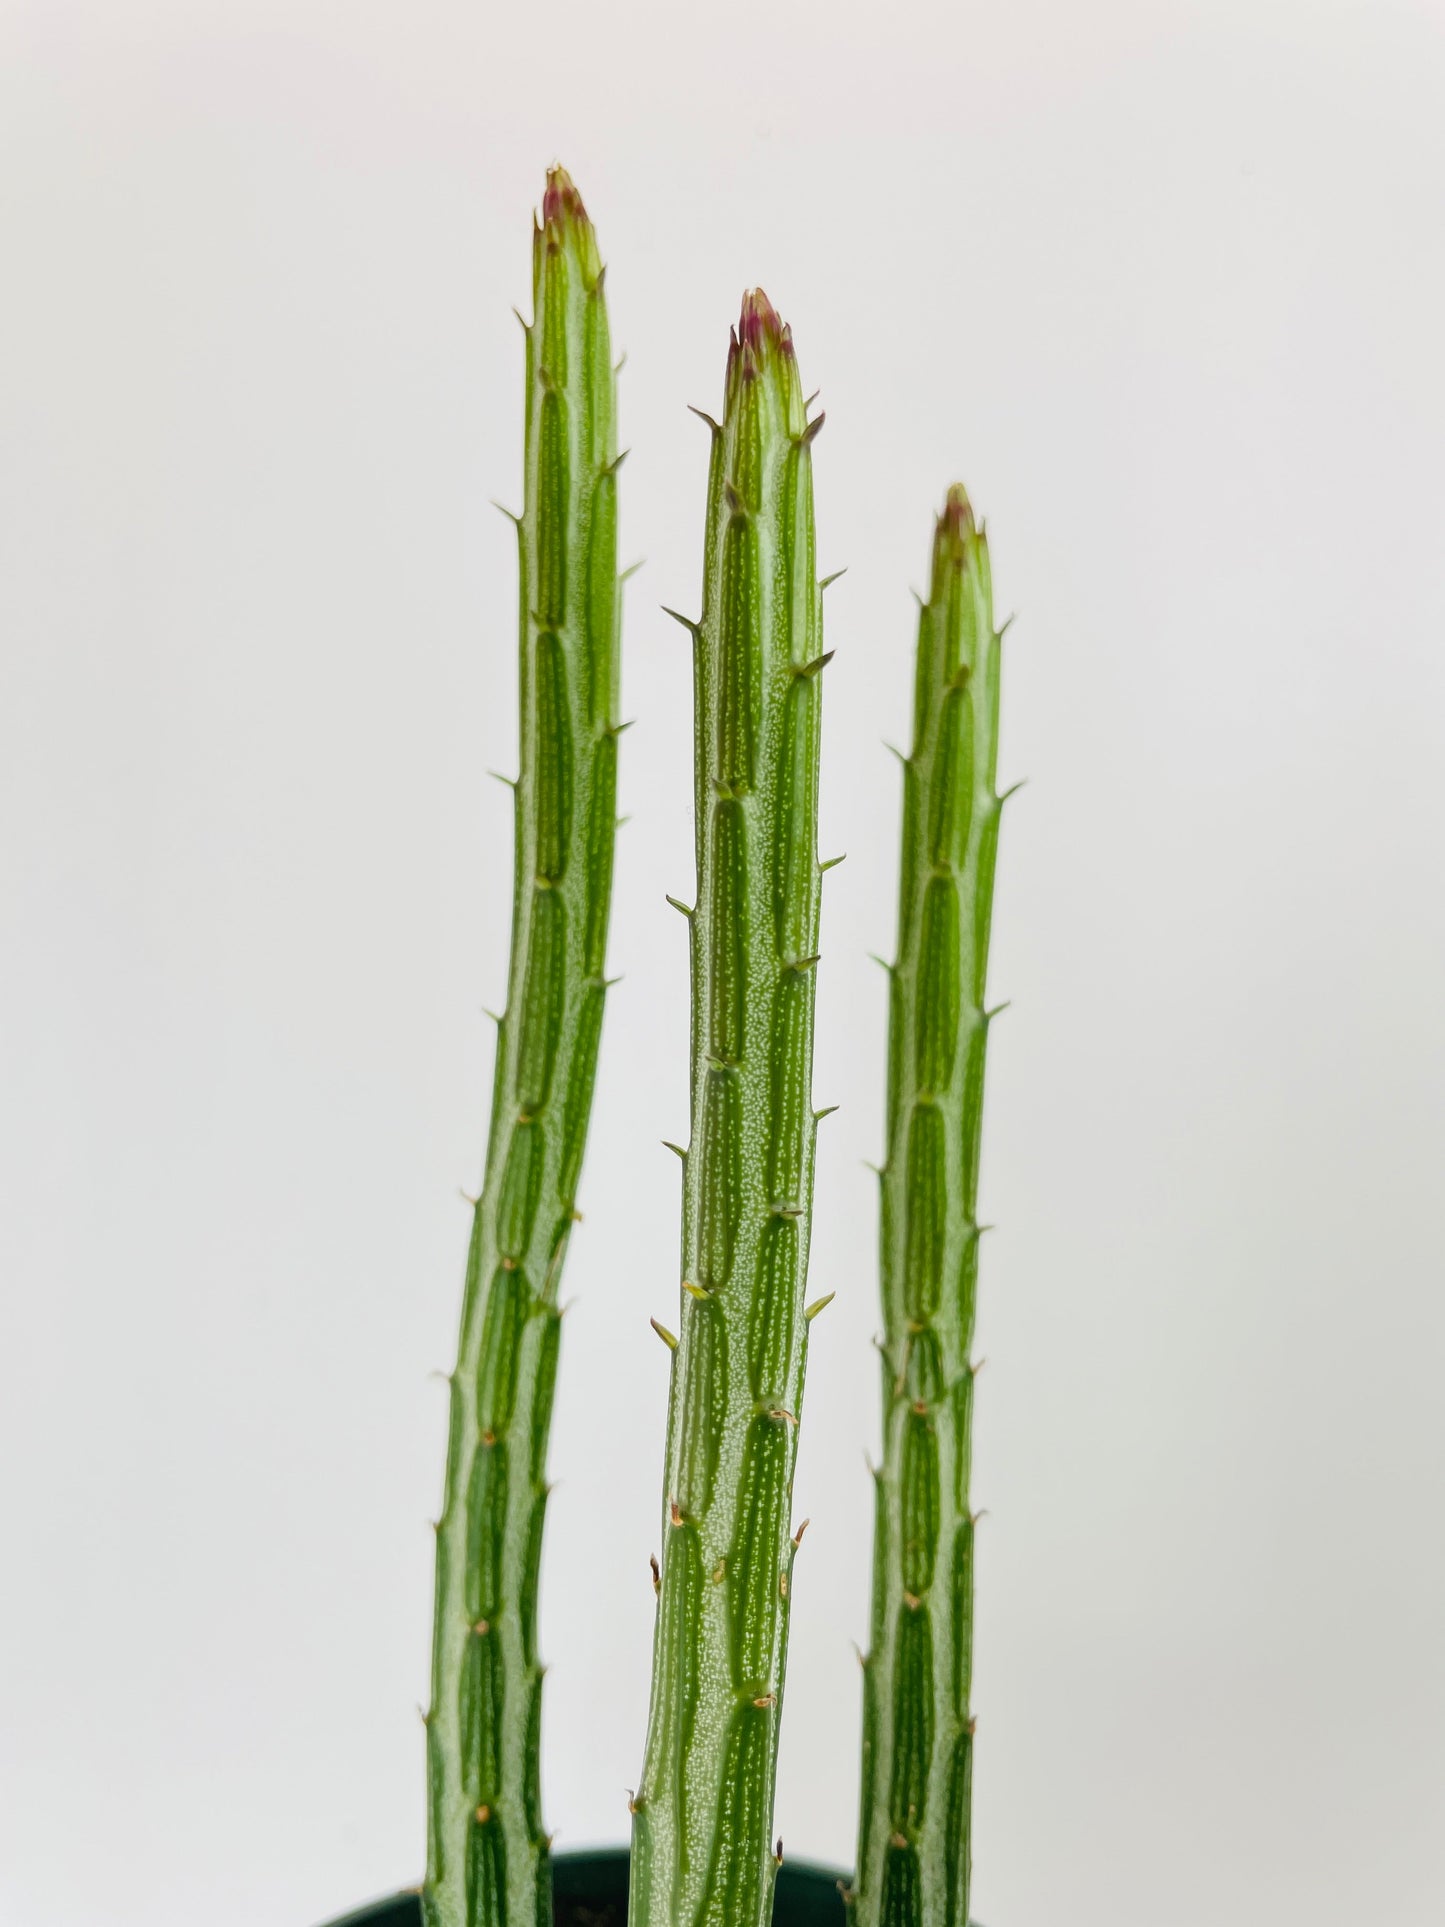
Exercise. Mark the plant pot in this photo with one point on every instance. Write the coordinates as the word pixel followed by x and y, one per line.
pixel 590 1890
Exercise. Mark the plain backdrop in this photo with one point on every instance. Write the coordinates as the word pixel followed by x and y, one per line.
pixel 1163 284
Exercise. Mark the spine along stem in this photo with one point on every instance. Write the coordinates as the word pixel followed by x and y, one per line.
pixel 914 1825
pixel 701 1838
pixel 488 1854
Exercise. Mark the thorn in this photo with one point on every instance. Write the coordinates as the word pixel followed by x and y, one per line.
pixel 782 1585
pixel 621 822
pixel 735 503
pixel 829 580
pixel 699 1292
pixel 502 509
pixel 510 781
pixel 634 1805
pixel 897 1840
pixel 526 330
pixel 1000 633
pixel 703 416
pixel 612 467
pixel 894 750
pixel 719 1571
pixel 778 1851
pixel 811 399
pixel 819 1304
pixel 694 629
pixel 484 1814
pixel 656 1572
pixel 800 964
pixel 676 1149
pixel 674 1512
pixel 684 909
pixel 664 1334
pixel 882 962
pixel 817 665
pixel 827 1111
pixel 766 1699
pixel 832 863
pixel 798 1535
pixel 810 433
pixel 912 1601
pixel 482 1628
pixel 466 1196
pixel 1012 790
pixel 626 575
pixel 621 361
pixel 997 1011
pixel 780 1415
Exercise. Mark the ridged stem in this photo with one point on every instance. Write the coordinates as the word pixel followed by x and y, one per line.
pixel 914 1825
pixel 702 1816
pixel 487 1862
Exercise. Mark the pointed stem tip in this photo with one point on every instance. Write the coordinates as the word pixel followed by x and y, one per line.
pixel 957 516
pixel 759 325
pixel 561 201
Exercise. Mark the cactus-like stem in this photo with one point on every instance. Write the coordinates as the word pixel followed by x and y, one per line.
pixel 914 1825
pixel 487 1862
pixel 702 1817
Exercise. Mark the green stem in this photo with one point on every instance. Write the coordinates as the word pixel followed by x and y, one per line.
pixel 487 1862
pixel 914 1826
pixel 702 1817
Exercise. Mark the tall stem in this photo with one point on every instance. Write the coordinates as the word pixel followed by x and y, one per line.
pixel 702 1817
pixel 487 1862
pixel 914 1826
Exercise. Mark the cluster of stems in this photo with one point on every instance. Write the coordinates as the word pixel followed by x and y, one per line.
pixel 702 1852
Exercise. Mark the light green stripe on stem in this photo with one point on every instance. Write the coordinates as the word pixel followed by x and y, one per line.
pixel 914 1824
pixel 487 1862
pixel 702 1854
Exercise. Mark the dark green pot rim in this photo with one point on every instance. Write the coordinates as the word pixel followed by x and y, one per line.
pixel 806 1896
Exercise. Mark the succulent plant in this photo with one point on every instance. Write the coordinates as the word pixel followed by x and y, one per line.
pixel 914 1825
pixel 487 1857
pixel 702 1815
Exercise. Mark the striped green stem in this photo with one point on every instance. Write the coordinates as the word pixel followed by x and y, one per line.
pixel 487 1862
pixel 914 1825
pixel 702 1817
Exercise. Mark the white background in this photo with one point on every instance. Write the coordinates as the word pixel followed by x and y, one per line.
pixel 1163 283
